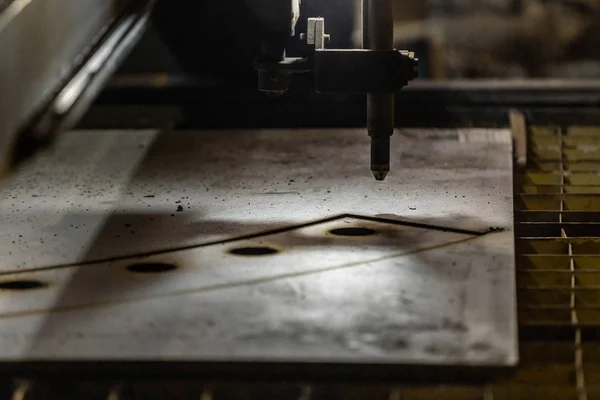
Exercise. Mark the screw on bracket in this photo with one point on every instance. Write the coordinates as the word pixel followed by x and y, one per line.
pixel 315 33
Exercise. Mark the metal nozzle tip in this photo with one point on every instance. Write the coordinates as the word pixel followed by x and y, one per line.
pixel 380 175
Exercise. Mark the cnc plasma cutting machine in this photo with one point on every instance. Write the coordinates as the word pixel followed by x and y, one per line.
pixel 185 195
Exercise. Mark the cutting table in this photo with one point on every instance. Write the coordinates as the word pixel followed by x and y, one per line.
pixel 173 247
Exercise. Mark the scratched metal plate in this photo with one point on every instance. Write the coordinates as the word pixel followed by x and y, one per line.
pixel 429 284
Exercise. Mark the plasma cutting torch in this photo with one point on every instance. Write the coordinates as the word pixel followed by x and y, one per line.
pixel 70 64
pixel 377 70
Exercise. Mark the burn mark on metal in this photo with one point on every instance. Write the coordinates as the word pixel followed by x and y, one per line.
pixel 20 285
pixel 253 251
pixel 151 268
pixel 353 231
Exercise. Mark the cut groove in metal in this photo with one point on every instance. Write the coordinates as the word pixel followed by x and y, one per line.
pixel 219 285
pixel 151 268
pixel 253 251
pixel 353 231
pixel 254 236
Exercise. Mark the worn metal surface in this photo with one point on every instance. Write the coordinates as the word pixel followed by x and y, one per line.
pixel 406 294
pixel 74 203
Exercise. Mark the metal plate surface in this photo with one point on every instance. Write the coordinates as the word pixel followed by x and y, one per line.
pixel 383 298
pixel 101 195
pixel 432 285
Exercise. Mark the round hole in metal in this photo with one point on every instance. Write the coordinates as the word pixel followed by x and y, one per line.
pixel 352 231
pixel 151 267
pixel 24 284
pixel 253 251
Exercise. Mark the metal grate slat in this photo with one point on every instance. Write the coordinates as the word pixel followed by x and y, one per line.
pixel 558 227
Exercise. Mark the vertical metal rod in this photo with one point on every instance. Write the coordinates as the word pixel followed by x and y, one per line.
pixel 363 22
pixel 378 34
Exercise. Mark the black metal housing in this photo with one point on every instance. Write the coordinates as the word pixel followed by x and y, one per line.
pixel 362 71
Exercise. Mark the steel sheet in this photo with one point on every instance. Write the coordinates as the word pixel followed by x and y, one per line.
pixel 431 282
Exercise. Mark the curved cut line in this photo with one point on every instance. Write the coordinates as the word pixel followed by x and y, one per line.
pixel 247 237
pixel 222 286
